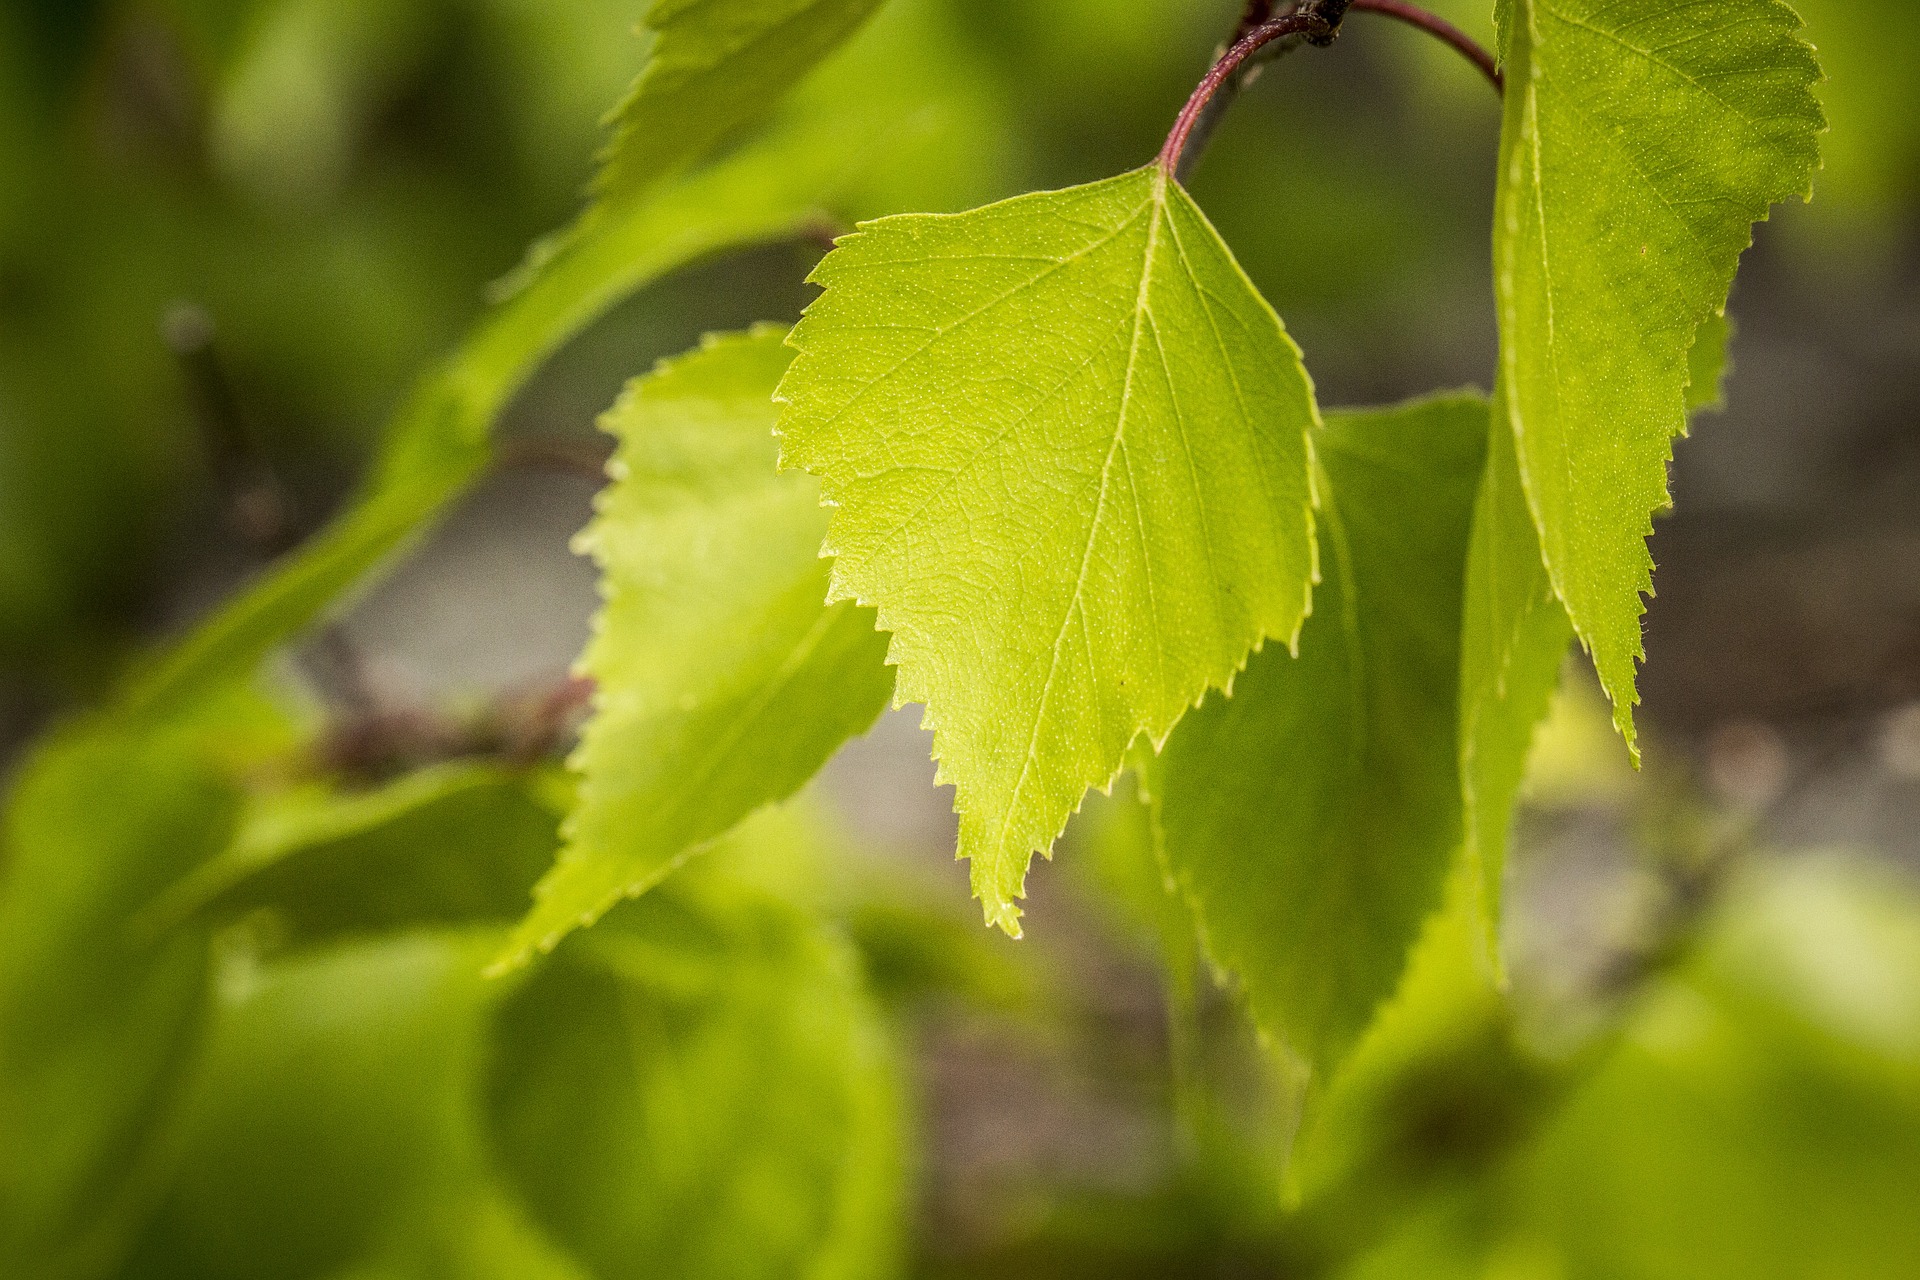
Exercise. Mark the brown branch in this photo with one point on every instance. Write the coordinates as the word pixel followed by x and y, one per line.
pixel 584 458
pixel 372 743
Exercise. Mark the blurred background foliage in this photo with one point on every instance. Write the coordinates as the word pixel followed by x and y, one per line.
pixel 242 1031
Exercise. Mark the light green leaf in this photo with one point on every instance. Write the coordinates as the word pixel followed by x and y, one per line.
pixel 724 682
pixel 1065 441
pixel 1641 141
pixel 715 66
pixel 1310 817
pixel 1514 640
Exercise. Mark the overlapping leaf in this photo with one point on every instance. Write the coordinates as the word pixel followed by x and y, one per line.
pixel 1641 141
pixel 1065 441
pixel 724 681
pixel 1311 816
pixel 1514 639
pixel 1515 636
pixel 701 1088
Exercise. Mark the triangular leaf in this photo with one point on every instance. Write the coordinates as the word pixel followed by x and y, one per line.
pixel 1066 443
pixel 1311 816
pixel 1641 141
pixel 724 682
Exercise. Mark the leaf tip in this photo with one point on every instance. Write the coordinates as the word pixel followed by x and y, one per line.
pixel 1005 917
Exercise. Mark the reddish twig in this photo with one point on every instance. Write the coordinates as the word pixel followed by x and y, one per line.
pixel 1315 21
pixel 1438 27
pixel 1310 25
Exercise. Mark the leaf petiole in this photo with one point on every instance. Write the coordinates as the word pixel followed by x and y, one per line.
pixel 1310 25
pixel 1318 21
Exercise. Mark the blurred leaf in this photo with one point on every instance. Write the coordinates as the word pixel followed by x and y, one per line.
pixel 916 61
pixel 703 1090
pixel 699 1087
pixel 1756 1115
pixel 1761 1116
pixel 1641 142
pixel 1310 816
pixel 723 680
pixel 566 63
pixel 972 389
pixel 917 953
pixel 336 1110
pixel 715 65
pixel 305 78
pixel 1870 163
pixel 1576 759
pixel 96 1021
pixel 456 842
pixel 1123 859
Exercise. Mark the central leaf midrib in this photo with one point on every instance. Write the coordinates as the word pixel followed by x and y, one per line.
pixel 1156 204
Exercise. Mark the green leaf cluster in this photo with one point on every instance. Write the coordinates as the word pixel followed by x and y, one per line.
pixel 1054 470
pixel 1077 470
